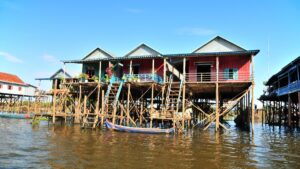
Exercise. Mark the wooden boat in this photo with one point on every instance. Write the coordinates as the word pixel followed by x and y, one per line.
pixel 137 129
pixel 16 116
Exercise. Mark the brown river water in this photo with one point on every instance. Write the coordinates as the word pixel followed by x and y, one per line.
pixel 43 146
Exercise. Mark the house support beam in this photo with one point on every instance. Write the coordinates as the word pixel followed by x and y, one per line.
pixel 100 70
pixel 128 104
pixel 54 102
pixel 252 93
pixel 289 110
pixel 102 108
pixel 217 95
pixel 152 105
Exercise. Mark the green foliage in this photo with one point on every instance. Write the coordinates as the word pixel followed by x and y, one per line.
pixel 95 78
pixel 83 76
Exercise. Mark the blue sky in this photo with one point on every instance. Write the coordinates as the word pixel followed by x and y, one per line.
pixel 35 35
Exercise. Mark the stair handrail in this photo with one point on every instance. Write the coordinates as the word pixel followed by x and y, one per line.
pixel 168 92
pixel 178 99
pixel 174 71
pixel 118 94
pixel 107 92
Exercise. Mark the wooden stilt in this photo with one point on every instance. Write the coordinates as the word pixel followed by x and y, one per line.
pixel 217 107
pixel 289 110
pixel 98 99
pixel 298 113
pixel 217 94
pixel 102 108
pixel 252 107
pixel 54 102
pixel 128 104
pixel 152 108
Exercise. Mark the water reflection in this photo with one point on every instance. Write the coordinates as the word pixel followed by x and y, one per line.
pixel 22 145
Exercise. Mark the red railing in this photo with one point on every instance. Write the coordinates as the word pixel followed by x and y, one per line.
pixel 222 77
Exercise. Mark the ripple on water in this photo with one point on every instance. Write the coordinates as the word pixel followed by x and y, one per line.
pixel 22 145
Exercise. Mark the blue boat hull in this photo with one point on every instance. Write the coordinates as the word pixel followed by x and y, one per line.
pixel 137 129
pixel 16 116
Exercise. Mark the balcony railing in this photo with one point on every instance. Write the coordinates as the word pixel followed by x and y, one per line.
pixel 222 77
pixel 292 87
pixel 142 78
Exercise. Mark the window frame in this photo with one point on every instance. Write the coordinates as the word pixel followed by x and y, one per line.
pixel 231 74
pixel 9 87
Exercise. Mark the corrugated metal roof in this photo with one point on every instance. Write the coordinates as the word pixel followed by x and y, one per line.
pixel 273 78
pixel 248 52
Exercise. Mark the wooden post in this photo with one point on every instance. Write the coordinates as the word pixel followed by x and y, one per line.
pixel 98 99
pixel 298 113
pixel 141 112
pixel 130 67
pixel 54 101
pixel 165 70
pixel 289 110
pixel 153 69
pixel 64 80
pixel 183 105
pixel 184 69
pixel 252 93
pixel 217 94
pixel 84 105
pixel 100 70
pixel 152 108
pixel 183 89
pixel 102 108
pixel 128 104
pixel 78 107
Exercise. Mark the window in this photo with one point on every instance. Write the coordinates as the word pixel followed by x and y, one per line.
pixel 9 87
pixel 231 74
pixel 135 69
pixel 20 88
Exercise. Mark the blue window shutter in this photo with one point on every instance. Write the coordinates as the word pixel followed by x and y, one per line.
pixel 226 74
pixel 235 74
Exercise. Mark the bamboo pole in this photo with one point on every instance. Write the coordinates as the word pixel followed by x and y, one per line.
pixel 128 104
pixel 100 70
pixel 130 67
pixel 183 106
pixel 84 105
pixel 152 108
pixel 98 99
pixel 252 92
pixel 217 94
pixel 102 108
pixel 141 112
pixel 289 110
pixel 78 107
pixel 54 102
pixel 165 70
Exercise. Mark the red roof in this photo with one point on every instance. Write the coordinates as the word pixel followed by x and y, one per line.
pixel 5 77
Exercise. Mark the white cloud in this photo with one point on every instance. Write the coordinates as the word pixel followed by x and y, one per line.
pixel 50 59
pixel 9 57
pixel 133 10
pixel 196 31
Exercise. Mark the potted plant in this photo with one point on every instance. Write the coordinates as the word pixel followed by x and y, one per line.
pixel 95 78
pixel 84 77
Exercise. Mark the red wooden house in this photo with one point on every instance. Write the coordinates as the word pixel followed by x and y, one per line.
pixel 219 70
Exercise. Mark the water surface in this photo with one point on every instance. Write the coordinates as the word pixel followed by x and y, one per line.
pixel 43 146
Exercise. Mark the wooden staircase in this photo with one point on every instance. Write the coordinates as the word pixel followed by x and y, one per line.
pixel 173 98
pixel 111 99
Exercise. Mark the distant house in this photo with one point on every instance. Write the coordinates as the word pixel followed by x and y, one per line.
pixel 12 85
pixel 57 76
